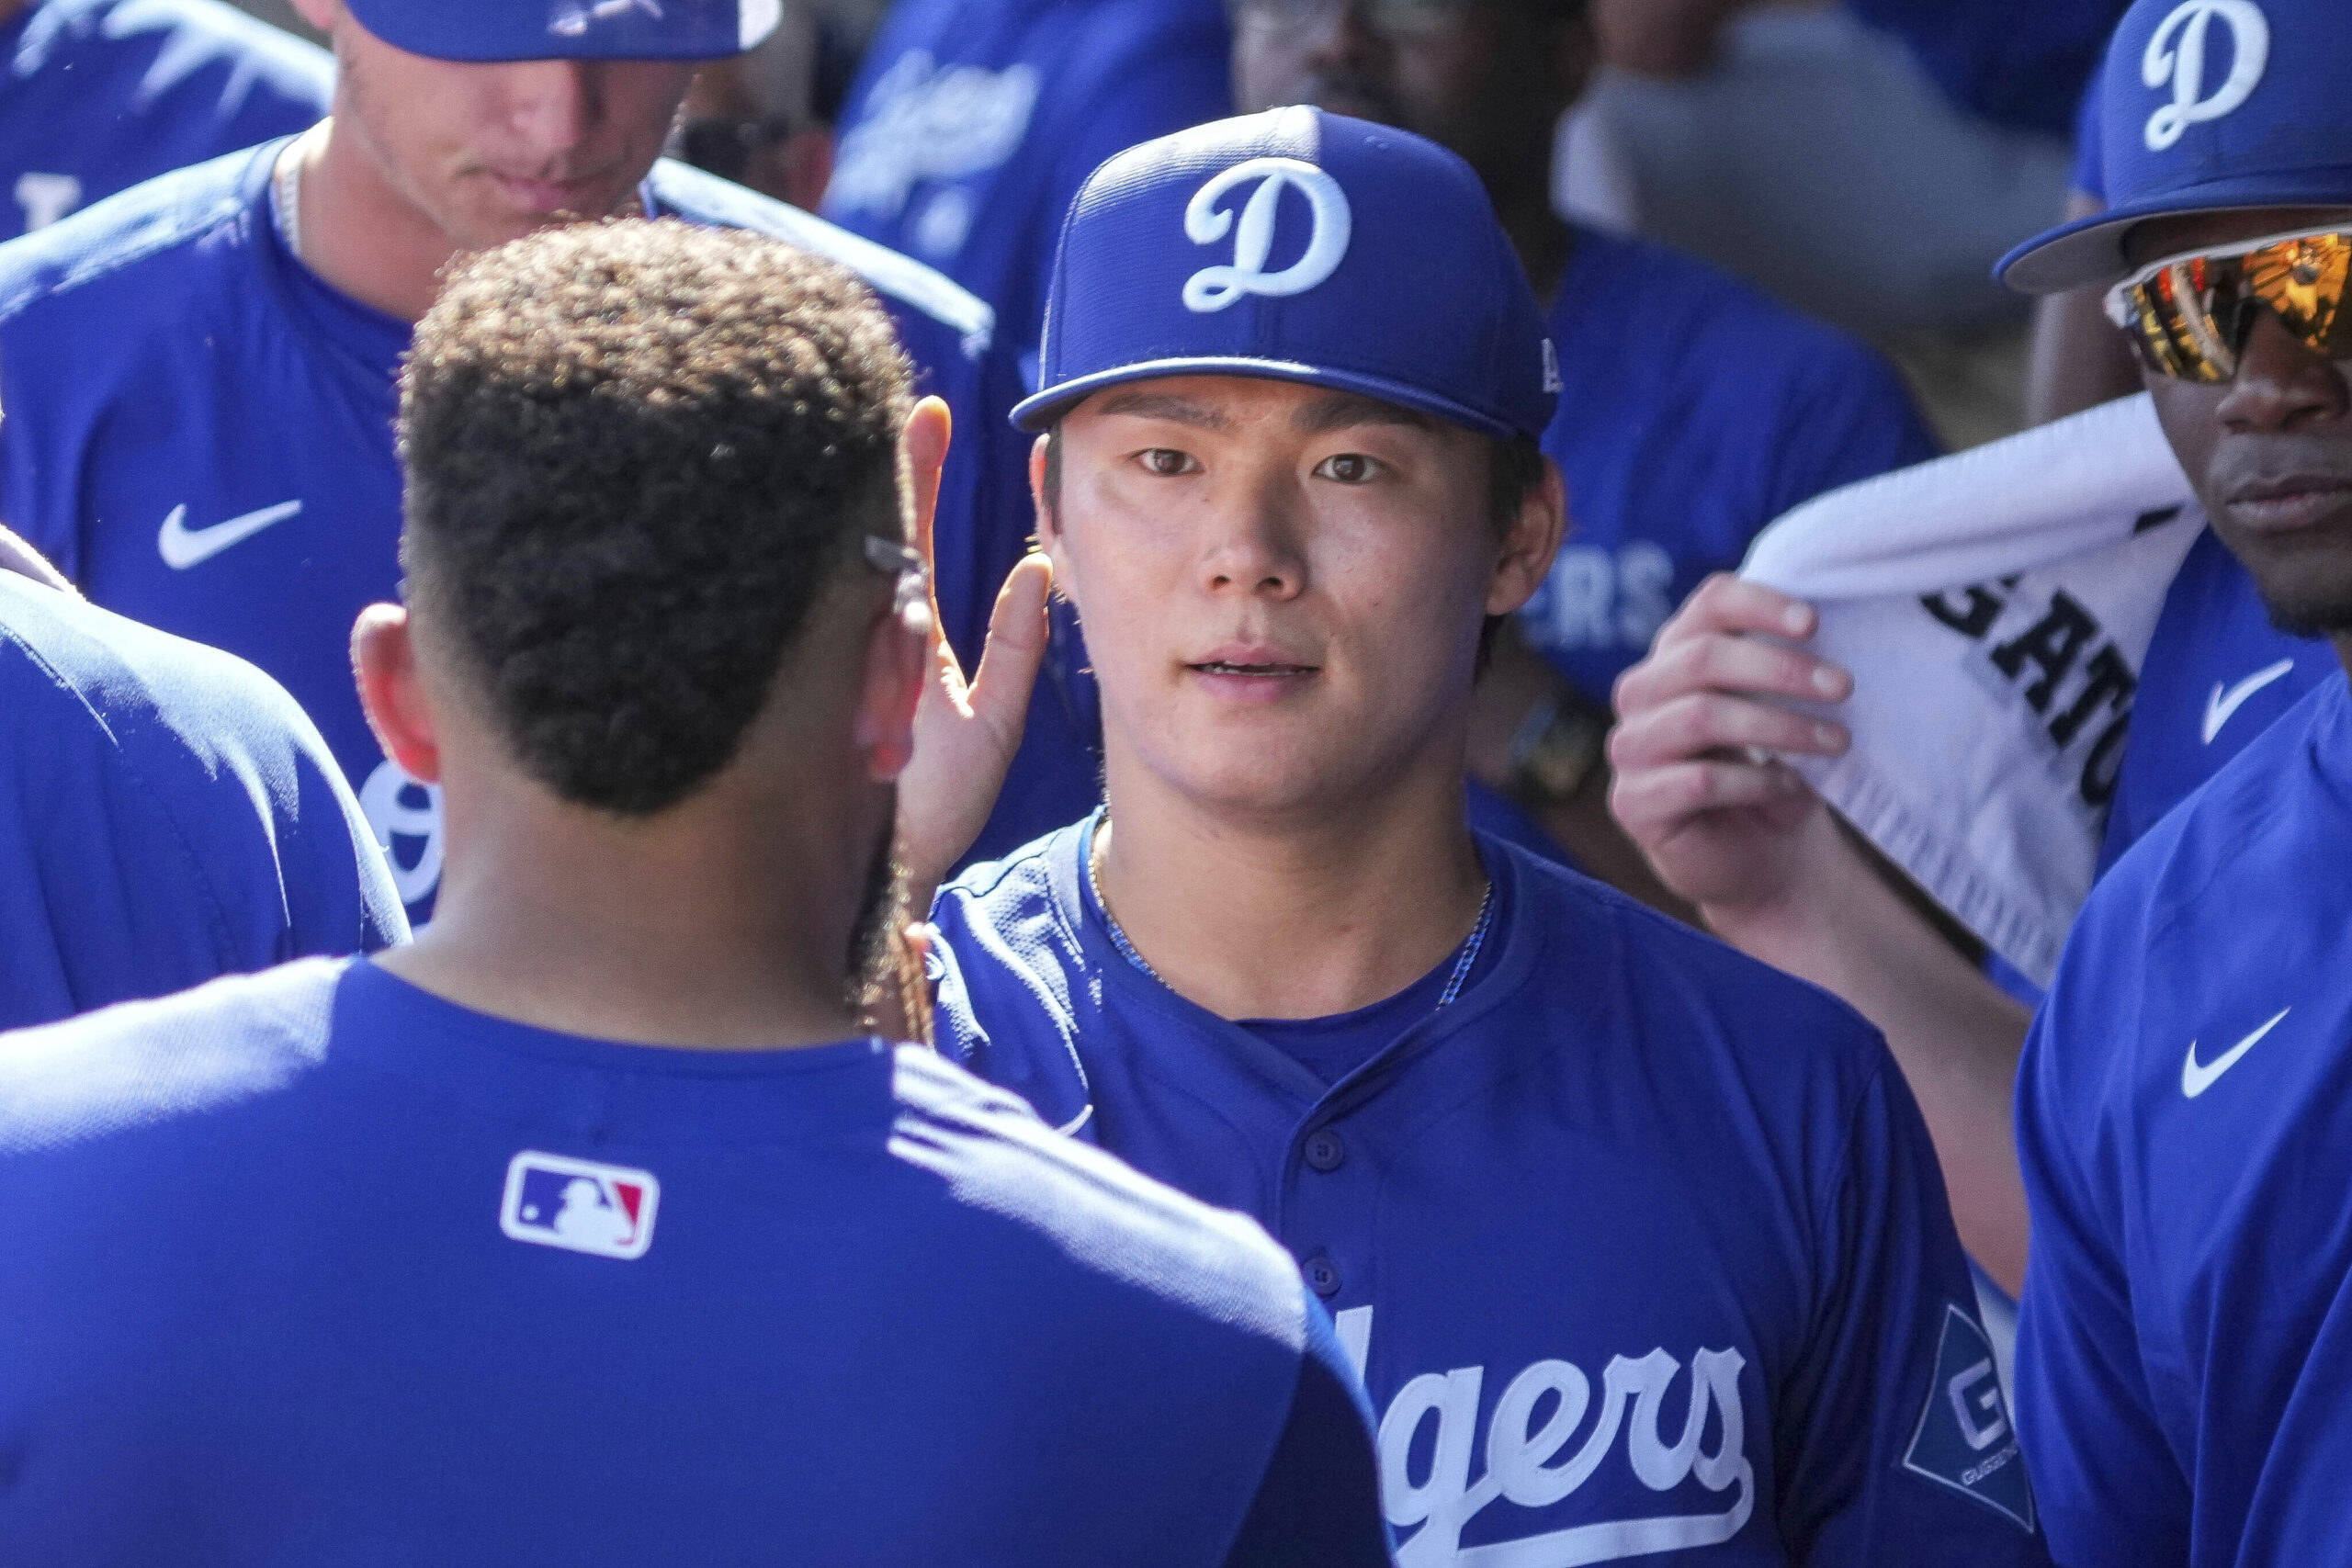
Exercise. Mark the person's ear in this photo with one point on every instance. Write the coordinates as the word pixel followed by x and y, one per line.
pixel 1049 531
pixel 897 652
pixel 1530 544
pixel 392 691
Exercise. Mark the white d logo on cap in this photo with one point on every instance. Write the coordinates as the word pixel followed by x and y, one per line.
pixel 1214 288
pixel 2176 56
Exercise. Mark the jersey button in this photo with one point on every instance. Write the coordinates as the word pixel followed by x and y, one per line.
pixel 1322 1276
pixel 1323 1150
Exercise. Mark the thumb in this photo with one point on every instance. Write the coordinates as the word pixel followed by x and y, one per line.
pixel 1015 647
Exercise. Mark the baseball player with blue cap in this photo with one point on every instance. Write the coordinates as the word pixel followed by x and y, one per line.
pixel 2185 1105
pixel 198 372
pixel 1639 1248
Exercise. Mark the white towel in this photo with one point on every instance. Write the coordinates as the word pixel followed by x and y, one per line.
pixel 1995 607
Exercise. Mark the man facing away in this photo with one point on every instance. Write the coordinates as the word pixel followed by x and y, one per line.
pixel 198 373
pixel 592 1228
pixel 1639 1248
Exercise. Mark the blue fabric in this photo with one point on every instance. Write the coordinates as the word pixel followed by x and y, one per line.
pixel 2185 1124
pixel 1694 411
pixel 330 1321
pixel 570 30
pixel 166 815
pixel 2021 66
pixel 1299 228
pixel 970 127
pixel 1628 1172
pixel 2217 674
pixel 2090 176
pixel 168 369
pixel 101 95
pixel 2218 103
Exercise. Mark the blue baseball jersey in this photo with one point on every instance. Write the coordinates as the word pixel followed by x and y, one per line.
pixel 1640 1245
pixel 2217 674
pixel 969 130
pixel 2185 1124
pixel 315 1267
pixel 167 815
pixel 101 95
pixel 1694 411
pixel 200 430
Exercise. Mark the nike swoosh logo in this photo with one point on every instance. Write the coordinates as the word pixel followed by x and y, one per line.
pixel 183 546
pixel 2195 1080
pixel 2223 704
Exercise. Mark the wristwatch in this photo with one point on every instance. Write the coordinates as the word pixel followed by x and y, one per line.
pixel 1555 750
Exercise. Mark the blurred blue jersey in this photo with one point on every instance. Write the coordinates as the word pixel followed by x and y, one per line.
pixel 166 815
pixel 969 130
pixel 1641 1246
pixel 2217 674
pixel 100 95
pixel 1694 411
pixel 2185 1123
pixel 2019 65
pixel 200 430
pixel 314 1268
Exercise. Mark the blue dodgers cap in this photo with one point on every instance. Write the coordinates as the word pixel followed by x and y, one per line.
pixel 1303 246
pixel 2207 106
pixel 570 30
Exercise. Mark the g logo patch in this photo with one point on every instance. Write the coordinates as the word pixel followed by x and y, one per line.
pixel 1214 288
pixel 2176 56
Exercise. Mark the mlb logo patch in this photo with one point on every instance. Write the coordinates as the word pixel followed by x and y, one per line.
pixel 579 1205
pixel 1964 1441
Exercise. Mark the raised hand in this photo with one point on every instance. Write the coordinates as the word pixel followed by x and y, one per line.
pixel 966 730
pixel 1725 823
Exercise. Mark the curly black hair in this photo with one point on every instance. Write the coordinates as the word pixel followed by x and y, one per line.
pixel 634 451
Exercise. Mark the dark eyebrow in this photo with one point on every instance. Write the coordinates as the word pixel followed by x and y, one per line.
pixel 1164 405
pixel 1327 414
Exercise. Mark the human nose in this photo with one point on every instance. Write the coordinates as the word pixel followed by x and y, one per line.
pixel 1257 553
pixel 2282 383
pixel 555 103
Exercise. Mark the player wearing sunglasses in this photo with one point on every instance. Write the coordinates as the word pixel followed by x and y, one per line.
pixel 2186 1098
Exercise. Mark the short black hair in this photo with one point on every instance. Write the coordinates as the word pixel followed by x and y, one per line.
pixel 634 451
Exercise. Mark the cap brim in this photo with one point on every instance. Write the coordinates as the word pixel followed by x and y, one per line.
pixel 2088 252
pixel 425 32
pixel 1036 412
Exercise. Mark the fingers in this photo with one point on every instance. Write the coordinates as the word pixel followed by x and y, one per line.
pixel 929 429
pixel 1706 723
pixel 1661 799
pixel 1714 643
pixel 1015 646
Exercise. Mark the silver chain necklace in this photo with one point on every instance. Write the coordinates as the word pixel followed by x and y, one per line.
pixel 286 195
pixel 1466 959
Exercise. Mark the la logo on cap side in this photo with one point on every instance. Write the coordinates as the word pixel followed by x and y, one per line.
pixel 580 1205
pixel 1214 288
pixel 2176 56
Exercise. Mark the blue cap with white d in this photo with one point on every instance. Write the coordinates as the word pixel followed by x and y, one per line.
pixel 570 30
pixel 1303 246
pixel 2207 106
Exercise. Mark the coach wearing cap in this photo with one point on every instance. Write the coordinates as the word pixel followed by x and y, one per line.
pixel 1655 1231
